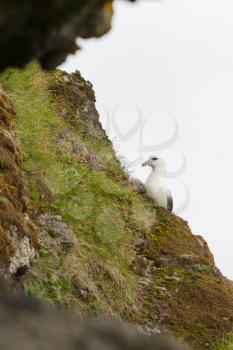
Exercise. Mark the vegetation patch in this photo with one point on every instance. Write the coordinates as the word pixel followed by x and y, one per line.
pixel 225 344
pixel 128 259
pixel 51 115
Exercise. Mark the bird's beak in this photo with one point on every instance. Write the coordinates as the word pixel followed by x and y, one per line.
pixel 145 163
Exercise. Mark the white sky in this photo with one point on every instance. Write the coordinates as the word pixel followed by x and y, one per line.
pixel 173 58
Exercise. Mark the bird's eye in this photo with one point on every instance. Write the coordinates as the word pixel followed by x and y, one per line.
pixel 154 158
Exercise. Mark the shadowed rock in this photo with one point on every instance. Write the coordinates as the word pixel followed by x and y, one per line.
pixel 47 30
pixel 35 326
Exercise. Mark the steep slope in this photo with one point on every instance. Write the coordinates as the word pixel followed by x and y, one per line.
pixel 104 249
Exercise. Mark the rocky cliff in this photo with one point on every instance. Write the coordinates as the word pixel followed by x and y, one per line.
pixel 75 233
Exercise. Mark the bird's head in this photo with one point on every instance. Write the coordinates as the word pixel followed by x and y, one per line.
pixel 155 163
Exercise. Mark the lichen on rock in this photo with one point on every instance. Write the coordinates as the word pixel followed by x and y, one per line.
pixel 24 254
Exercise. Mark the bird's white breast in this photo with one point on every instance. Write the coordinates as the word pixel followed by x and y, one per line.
pixel 156 189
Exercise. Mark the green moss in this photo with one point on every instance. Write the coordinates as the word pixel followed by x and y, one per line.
pixel 3 200
pixel 202 267
pixel 225 344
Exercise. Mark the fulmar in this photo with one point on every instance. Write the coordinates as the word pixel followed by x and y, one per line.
pixel 156 187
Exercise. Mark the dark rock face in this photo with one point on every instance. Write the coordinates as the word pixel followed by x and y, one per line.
pixel 47 30
pixel 36 326
pixel 17 236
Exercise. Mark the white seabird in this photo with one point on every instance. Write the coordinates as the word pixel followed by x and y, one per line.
pixel 156 187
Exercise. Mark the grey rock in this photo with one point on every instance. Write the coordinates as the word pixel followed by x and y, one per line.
pixel 57 229
pixel 82 291
pixel 139 243
pixel 24 253
pixel 89 112
pixel 137 185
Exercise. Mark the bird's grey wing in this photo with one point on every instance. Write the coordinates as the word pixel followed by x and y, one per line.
pixel 169 202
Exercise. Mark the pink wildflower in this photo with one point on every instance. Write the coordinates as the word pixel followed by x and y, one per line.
pixel 61 143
